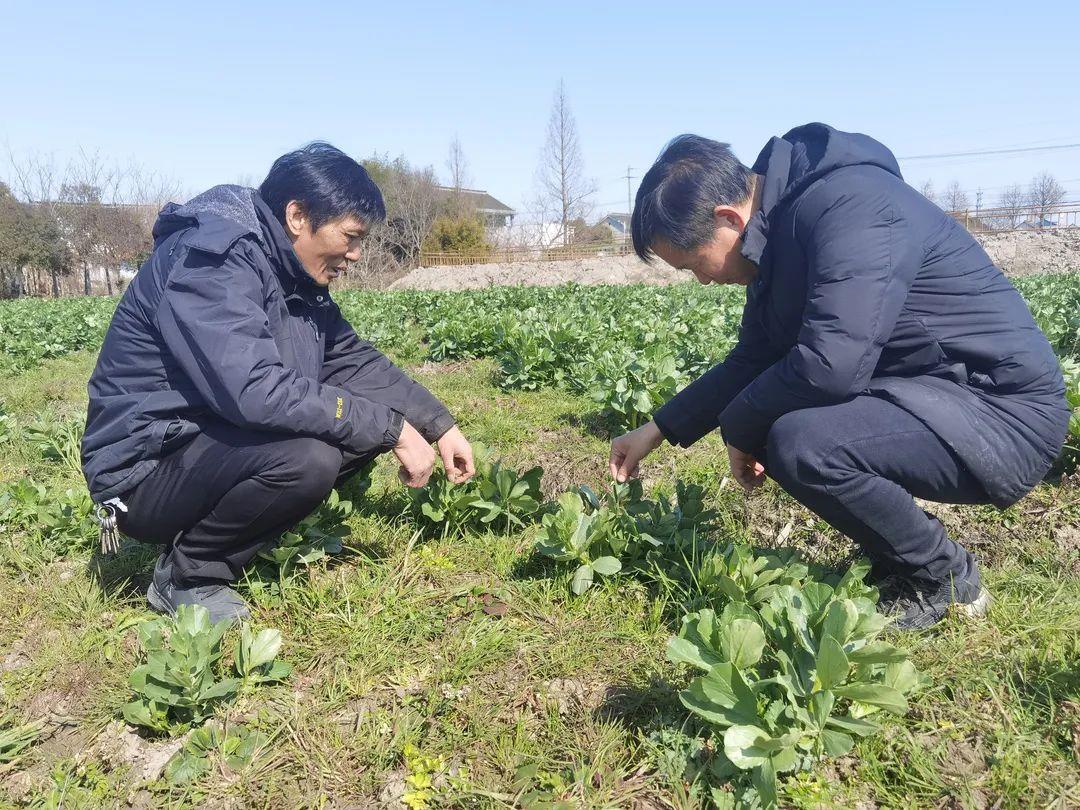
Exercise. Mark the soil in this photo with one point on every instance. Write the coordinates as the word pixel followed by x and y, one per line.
pixel 606 270
pixel 1018 253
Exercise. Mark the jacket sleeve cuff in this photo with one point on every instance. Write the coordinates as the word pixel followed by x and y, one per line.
pixel 434 429
pixel 393 431
pixel 743 427
pixel 679 424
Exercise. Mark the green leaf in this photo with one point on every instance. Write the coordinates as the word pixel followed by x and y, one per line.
pixel 901 676
pixel 877 652
pixel 219 690
pixel 831 664
pixel 745 643
pixel 606 566
pixel 821 706
pixel 853 725
pixel 840 620
pixel 884 697
pixel 721 696
pixel 836 743
pixel 582 580
pixel 261 649
pixel 742 745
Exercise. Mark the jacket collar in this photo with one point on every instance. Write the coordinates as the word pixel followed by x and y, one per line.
pixel 773 166
pixel 298 285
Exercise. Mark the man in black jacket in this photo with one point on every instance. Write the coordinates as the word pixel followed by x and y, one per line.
pixel 231 395
pixel 881 353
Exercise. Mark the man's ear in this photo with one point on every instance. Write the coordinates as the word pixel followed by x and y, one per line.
pixel 726 216
pixel 296 220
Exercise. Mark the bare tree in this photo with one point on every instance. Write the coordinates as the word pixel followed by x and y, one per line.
pixel 927 190
pixel 457 165
pixel 563 187
pixel 1044 195
pixel 1012 202
pixel 956 199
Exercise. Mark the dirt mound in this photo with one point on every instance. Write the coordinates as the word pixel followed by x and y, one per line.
pixel 606 270
pixel 1018 253
pixel 1021 253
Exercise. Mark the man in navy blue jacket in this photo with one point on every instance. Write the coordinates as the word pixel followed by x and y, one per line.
pixel 231 395
pixel 881 354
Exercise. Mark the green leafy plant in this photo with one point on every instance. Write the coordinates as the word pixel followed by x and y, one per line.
pixel 58 440
pixel 601 537
pixel 54 525
pixel 794 678
pixel 181 683
pixel 178 687
pixel 1070 453
pixel 319 534
pixel 255 657
pixel 496 494
pixel 233 747
pixel 632 387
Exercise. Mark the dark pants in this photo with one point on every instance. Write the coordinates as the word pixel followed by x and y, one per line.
pixel 858 464
pixel 217 500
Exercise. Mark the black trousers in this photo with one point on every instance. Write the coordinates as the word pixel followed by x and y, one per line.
pixel 858 464
pixel 217 500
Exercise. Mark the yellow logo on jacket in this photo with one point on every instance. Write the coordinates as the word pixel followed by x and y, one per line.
pixel 340 407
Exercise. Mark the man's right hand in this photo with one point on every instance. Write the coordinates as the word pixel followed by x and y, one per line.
pixel 628 450
pixel 416 456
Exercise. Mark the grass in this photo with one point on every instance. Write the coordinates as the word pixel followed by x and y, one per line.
pixel 560 699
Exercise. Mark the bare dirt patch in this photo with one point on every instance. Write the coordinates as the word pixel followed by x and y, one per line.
pixel 601 270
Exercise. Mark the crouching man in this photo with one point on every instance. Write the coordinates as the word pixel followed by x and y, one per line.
pixel 881 354
pixel 231 395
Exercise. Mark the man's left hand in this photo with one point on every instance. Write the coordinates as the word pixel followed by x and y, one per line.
pixel 745 469
pixel 457 456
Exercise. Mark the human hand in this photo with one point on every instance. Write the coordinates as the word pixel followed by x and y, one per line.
pixel 747 470
pixel 416 457
pixel 628 450
pixel 457 456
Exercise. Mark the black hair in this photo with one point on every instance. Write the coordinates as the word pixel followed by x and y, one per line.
pixel 678 193
pixel 326 182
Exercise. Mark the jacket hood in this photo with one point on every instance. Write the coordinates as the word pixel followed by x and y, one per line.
pixel 224 214
pixel 791 164
pixel 221 214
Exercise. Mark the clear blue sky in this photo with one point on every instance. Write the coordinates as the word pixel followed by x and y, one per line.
pixel 213 92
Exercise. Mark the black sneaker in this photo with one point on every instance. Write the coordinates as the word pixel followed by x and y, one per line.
pixel 916 604
pixel 165 596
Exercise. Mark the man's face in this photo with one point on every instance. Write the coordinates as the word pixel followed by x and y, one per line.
pixel 326 251
pixel 717 262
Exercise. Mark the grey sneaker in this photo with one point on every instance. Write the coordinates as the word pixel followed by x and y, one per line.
pixel 917 604
pixel 165 596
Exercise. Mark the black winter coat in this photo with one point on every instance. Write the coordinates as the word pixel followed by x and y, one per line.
pixel 866 287
pixel 222 321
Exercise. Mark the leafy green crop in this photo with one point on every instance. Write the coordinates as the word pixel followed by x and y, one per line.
pixel 496 494
pixel 180 685
pixel 233 747
pixel 319 534
pixel 621 532
pixel 793 678
pixel 1070 455
pixel 632 387
pixel 55 524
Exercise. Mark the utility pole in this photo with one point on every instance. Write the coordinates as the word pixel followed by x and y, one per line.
pixel 629 199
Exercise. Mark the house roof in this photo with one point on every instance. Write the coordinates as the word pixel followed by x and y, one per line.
pixel 480 200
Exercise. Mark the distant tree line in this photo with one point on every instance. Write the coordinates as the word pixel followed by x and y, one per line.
pixel 1013 207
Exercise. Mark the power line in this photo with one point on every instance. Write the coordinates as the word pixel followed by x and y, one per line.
pixel 992 152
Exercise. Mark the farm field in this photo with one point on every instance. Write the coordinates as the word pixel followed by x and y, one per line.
pixel 512 645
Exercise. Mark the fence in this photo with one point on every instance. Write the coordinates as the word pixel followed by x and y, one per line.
pixel 1026 218
pixel 507 255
